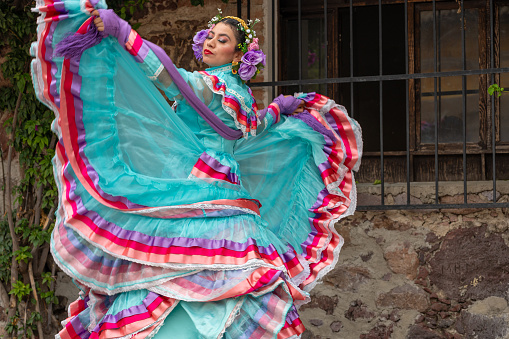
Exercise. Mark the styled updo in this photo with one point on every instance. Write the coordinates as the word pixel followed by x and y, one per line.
pixel 240 36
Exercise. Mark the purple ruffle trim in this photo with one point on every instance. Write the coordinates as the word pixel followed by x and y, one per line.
pixel 314 124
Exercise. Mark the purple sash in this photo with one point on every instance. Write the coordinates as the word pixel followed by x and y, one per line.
pixel 213 120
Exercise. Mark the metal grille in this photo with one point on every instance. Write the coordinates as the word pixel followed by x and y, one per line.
pixel 381 78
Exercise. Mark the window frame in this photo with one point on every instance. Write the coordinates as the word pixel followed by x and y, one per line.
pixel 414 96
pixel 479 153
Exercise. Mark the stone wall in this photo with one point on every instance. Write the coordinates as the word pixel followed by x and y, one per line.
pixel 418 274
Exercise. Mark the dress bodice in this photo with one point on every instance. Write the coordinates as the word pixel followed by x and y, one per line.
pixel 229 96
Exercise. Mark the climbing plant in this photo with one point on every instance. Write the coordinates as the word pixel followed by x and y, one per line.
pixel 28 206
pixel 495 88
pixel 27 274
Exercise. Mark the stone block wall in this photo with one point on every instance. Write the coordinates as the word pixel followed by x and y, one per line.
pixel 418 274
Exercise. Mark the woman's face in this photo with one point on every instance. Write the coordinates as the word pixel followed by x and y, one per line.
pixel 219 47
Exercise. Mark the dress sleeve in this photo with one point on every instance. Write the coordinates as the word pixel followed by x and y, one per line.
pixel 271 115
pixel 268 116
pixel 155 71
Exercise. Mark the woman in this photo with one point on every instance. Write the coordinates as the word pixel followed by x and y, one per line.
pixel 212 221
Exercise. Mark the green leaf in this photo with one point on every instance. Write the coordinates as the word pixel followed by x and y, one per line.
pixel 21 84
pixel 23 254
pixel 20 290
pixel 47 278
pixel 377 182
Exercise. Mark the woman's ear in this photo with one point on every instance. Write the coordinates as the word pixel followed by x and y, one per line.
pixel 237 56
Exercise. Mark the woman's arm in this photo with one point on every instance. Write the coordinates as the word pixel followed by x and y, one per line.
pixel 283 104
pixel 109 23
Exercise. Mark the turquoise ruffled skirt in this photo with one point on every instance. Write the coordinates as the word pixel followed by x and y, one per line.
pixel 167 236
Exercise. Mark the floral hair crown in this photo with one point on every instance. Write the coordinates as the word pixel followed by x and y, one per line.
pixel 252 61
pixel 247 28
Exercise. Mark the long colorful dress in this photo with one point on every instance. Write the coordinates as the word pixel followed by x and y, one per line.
pixel 161 220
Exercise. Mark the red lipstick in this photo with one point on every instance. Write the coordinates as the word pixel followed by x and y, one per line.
pixel 206 51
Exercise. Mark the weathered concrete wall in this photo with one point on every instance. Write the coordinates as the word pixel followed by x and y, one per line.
pixel 418 274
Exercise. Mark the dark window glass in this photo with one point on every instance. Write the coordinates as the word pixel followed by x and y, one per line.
pixel 504 77
pixel 449 89
pixel 313 51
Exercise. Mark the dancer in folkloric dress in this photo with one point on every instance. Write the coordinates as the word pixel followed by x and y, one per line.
pixel 213 220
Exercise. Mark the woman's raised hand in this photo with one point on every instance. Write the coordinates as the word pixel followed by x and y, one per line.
pixel 98 21
pixel 299 108
pixel 111 24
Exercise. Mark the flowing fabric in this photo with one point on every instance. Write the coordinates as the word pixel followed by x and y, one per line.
pixel 169 229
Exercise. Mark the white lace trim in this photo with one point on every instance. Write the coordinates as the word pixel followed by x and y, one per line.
pixel 229 110
pixel 90 304
pixel 302 276
pixel 157 73
pixel 153 333
pixel 154 210
pixel 355 126
pixel 233 315
pixel 253 263
pixel 227 68
pixel 348 212
pixel 334 188
pixel 163 318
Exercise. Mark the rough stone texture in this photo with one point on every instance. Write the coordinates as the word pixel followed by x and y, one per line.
pixel 471 263
pixel 368 199
pixel 488 318
pixel 482 326
pixel 336 326
pixel 348 278
pixel 406 297
pixel 421 332
pixel 326 303
pixel 358 310
pixel 402 259
pixel 391 224
pixel 316 322
pixel 410 268
pixel 380 331
pixel 66 291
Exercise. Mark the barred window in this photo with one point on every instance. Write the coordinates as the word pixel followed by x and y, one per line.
pixel 425 66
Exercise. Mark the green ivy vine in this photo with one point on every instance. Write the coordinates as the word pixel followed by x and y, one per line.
pixel 27 271
pixel 27 223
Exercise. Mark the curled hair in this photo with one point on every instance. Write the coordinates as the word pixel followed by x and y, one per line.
pixel 240 36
